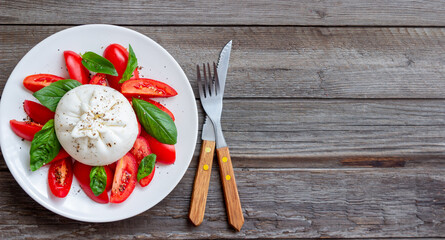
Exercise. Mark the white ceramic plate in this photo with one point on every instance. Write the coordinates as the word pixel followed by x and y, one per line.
pixel 47 57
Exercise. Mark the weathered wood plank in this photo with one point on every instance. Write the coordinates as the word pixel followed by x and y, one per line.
pixel 291 62
pixel 251 12
pixel 276 203
pixel 333 133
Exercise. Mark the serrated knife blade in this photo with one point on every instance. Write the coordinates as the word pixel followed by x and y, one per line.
pixel 223 65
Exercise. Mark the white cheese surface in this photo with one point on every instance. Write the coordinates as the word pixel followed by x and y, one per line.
pixel 95 124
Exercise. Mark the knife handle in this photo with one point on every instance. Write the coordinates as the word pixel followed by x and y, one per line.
pixel 231 197
pixel 201 185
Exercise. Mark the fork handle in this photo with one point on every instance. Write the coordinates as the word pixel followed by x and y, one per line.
pixel 201 185
pixel 231 197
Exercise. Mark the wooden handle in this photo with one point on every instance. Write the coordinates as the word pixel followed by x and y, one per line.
pixel 233 204
pixel 201 185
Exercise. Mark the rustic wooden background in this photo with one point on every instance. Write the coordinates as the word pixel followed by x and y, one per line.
pixel 334 113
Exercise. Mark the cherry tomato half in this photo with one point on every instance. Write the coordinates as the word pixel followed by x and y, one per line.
pixel 144 87
pixel 82 174
pixel 125 178
pixel 76 70
pixel 60 177
pixel 37 112
pixel 99 79
pixel 140 149
pixel 118 56
pixel 25 130
pixel 146 180
pixel 38 81
pixel 165 153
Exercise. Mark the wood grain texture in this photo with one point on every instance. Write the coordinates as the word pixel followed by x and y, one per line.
pixel 228 182
pixel 290 62
pixel 201 184
pixel 276 203
pixel 251 12
pixel 326 133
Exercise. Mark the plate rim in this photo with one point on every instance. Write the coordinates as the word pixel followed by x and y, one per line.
pixel 20 179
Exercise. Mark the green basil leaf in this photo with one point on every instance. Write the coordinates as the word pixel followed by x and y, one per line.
pixel 156 122
pixel 96 63
pixel 146 166
pixel 44 147
pixel 50 96
pixel 131 65
pixel 98 180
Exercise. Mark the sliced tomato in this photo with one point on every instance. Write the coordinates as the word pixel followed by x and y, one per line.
pixel 146 180
pixel 125 178
pixel 60 177
pixel 144 87
pixel 99 79
pixel 140 149
pixel 165 153
pixel 82 174
pixel 118 56
pixel 76 70
pixel 37 112
pixel 38 81
pixel 25 130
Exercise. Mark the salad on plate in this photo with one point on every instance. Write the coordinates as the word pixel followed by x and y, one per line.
pixel 100 126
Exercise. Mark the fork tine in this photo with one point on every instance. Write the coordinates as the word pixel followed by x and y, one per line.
pixel 217 88
pixel 206 81
pixel 200 90
pixel 211 81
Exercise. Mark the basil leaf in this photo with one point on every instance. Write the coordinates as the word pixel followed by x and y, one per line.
pixel 156 122
pixel 131 65
pixel 146 166
pixel 98 180
pixel 96 63
pixel 44 146
pixel 50 96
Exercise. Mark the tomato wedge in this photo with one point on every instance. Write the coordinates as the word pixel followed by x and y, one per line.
pixel 25 130
pixel 60 177
pixel 38 81
pixel 146 180
pixel 125 178
pixel 118 56
pixel 37 112
pixel 99 79
pixel 82 174
pixel 76 70
pixel 145 87
pixel 140 149
pixel 165 153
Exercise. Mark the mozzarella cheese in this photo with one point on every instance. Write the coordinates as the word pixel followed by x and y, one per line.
pixel 95 124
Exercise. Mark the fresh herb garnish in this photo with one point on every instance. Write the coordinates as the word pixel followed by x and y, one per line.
pixel 50 96
pixel 146 166
pixel 156 122
pixel 96 63
pixel 44 147
pixel 98 180
pixel 131 65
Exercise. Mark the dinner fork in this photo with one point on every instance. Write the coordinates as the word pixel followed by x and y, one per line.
pixel 211 99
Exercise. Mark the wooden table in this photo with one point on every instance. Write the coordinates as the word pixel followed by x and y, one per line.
pixel 334 112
